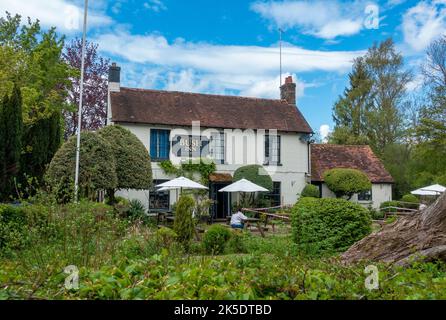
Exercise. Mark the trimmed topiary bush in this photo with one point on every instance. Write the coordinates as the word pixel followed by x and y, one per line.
pixel 184 224
pixel 328 225
pixel 214 240
pixel 346 182
pixel 133 167
pixel 310 190
pixel 412 201
pixel 256 174
pixel 97 168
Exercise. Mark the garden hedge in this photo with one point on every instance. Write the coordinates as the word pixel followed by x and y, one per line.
pixel 310 190
pixel 328 225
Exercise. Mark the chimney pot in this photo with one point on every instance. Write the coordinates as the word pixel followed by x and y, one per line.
pixel 114 77
pixel 288 91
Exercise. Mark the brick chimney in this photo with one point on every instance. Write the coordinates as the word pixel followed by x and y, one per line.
pixel 288 91
pixel 114 78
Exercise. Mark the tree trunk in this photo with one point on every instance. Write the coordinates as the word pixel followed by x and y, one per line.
pixel 418 236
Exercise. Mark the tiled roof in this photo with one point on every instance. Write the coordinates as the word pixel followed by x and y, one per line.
pixel 213 111
pixel 361 157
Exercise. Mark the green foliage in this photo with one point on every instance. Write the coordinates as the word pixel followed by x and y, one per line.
pixel 346 182
pixel 328 225
pixel 136 210
pixel 41 139
pixel 204 169
pixel 97 167
pixel 133 166
pixel 32 58
pixel 165 237
pixel 389 206
pixel 370 110
pixel 215 238
pixel 256 174
pixel 10 142
pixel 310 190
pixel 184 224
pixel 411 200
pixel 237 242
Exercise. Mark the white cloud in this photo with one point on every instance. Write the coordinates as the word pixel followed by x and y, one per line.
pixel 224 69
pixel 423 23
pixel 324 131
pixel 320 18
pixel 223 59
pixel 155 5
pixel 66 15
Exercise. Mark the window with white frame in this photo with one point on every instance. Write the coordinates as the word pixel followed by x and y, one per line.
pixel 272 149
pixel 217 147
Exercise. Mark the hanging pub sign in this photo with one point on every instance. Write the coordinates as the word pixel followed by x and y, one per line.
pixel 185 146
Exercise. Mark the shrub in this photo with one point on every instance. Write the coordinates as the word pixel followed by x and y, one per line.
pixel 310 190
pixel 256 174
pixel 97 167
pixel 184 224
pixel 165 237
pixel 328 225
pixel 136 210
pixel 12 228
pixel 376 214
pixel 237 242
pixel 388 204
pixel 215 239
pixel 412 201
pixel 133 167
pixel 346 182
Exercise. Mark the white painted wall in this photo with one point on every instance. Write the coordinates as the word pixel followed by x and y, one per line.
pixel 291 173
pixel 380 192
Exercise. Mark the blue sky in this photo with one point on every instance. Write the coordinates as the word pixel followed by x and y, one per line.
pixel 231 47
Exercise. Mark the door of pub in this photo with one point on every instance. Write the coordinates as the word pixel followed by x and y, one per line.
pixel 221 207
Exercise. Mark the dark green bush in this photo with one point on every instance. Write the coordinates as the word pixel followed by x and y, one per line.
pixel 133 167
pixel 97 167
pixel 215 238
pixel 184 224
pixel 346 182
pixel 328 225
pixel 410 201
pixel 376 214
pixel 13 225
pixel 310 190
pixel 256 174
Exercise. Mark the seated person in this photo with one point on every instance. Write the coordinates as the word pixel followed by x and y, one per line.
pixel 237 219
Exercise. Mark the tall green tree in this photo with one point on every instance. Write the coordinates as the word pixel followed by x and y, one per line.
pixel 11 133
pixel 350 109
pixel 371 110
pixel 430 149
pixel 32 59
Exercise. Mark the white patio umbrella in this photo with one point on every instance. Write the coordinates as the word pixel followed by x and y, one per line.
pixel 179 183
pixel 433 190
pixel 243 185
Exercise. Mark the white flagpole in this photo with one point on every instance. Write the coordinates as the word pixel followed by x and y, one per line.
pixel 79 113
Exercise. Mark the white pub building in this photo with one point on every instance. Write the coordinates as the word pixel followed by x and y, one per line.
pixel 231 131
